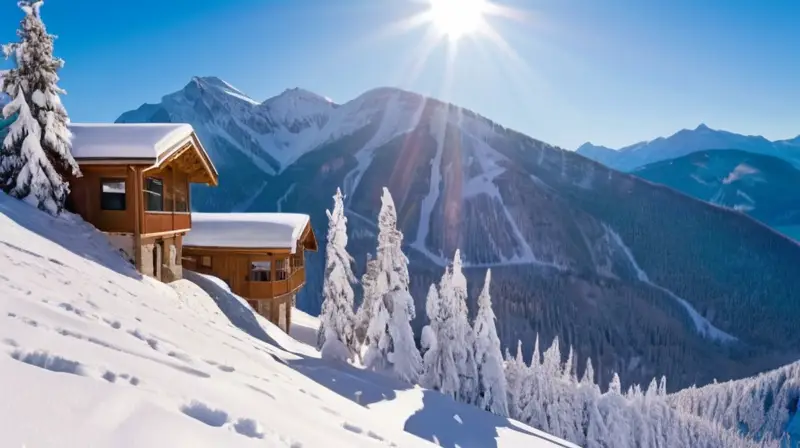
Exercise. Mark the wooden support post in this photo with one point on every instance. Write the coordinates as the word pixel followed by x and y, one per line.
pixel 138 223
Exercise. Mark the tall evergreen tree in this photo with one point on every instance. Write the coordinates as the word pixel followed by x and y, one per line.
pixel 515 378
pixel 439 364
pixel 492 386
pixel 369 283
pixel 337 319
pixel 390 337
pixel 36 153
pixel 464 349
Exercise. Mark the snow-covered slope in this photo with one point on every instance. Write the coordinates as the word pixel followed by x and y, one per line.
pixel 92 354
pixel 687 141
pixel 764 187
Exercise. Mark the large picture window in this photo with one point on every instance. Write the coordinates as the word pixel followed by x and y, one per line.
pixel 154 194
pixel 112 194
pixel 260 271
pixel 181 197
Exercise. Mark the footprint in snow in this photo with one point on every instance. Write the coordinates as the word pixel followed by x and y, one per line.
pixel 372 435
pixel 227 369
pixel 204 414
pixel 111 377
pixel 24 319
pixel 181 356
pixel 262 391
pixel 249 428
pixel 53 363
pixel 152 342
pixel 115 324
pixel 352 428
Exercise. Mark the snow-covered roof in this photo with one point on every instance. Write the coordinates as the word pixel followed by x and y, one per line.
pixel 246 230
pixel 146 141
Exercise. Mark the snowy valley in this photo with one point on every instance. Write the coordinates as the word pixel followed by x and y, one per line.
pixel 577 250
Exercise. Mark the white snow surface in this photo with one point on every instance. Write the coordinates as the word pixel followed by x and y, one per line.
pixel 139 141
pixel 93 354
pixel 246 230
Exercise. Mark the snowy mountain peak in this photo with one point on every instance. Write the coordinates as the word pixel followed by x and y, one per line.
pixel 702 127
pixel 297 109
pixel 300 94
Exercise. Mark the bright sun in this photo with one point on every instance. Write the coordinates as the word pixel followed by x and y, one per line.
pixel 457 18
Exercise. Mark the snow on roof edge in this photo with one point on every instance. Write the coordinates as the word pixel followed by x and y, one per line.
pixel 126 140
pixel 247 230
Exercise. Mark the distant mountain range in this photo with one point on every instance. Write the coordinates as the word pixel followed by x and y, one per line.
pixel 685 142
pixel 643 279
pixel 765 187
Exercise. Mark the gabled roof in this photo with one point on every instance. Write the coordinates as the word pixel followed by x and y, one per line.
pixel 250 231
pixel 126 141
pixel 141 143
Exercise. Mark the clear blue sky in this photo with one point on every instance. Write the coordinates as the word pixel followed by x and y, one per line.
pixel 609 71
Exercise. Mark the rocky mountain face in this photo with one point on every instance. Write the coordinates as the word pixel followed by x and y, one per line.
pixel 687 141
pixel 764 187
pixel 643 279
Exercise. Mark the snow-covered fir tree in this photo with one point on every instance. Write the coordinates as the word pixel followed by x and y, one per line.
pixel 516 371
pixel 438 340
pixel 369 283
pixel 455 292
pixel 555 402
pixel 492 386
pixel 337 320
pixel 389 336
pixel 36 154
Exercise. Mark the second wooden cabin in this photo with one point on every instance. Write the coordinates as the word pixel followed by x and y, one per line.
pixel 260 256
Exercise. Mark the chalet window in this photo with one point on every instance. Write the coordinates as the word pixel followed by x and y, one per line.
pixel 297 261
pixel 181 197
pixel 205 261
pixel 281 269
pixel 112 194
pixel 154 194
pixel 260 271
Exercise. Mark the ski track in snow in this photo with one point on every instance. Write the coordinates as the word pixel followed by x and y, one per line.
pixel 387 131
pixel 429 201
pixel 281 200
pixel 703 326
pixel 247 203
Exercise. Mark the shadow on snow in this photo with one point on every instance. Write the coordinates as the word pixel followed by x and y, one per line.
pixel 79 237
pixel 435 421
pixel 451 424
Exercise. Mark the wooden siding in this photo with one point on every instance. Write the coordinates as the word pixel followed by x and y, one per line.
pixel 84 198
pixel 161 222
pixel 86 192
pixel 234 269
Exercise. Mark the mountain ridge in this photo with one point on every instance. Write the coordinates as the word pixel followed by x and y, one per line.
pixel 562 233
pixel 761 186
pixel 687 141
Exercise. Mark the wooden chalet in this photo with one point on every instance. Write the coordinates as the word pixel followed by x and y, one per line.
pixel 135 188
pixel 261 256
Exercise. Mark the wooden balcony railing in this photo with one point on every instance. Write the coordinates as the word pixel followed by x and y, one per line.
pixel 268 290
pixel 157 222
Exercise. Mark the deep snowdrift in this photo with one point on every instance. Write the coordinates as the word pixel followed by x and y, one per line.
pixel 93 354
